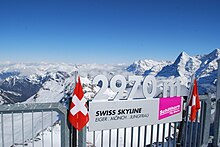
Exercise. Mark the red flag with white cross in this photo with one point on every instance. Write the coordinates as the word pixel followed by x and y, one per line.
pixel 194 102
pixel 78 114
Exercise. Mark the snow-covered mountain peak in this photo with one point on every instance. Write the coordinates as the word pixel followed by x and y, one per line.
pixel 213 56
pixel 183 66
pixel 185 60
pixel 203 66
pixel 146 67
pixel 209 60
pixel 215 53
pixel 183 57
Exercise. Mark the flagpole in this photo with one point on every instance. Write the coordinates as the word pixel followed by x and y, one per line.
pixel 74 131
pixel 82 132
pixel 78 115
pixel 185 114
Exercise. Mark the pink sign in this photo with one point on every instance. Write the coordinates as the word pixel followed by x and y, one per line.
pixel 169 106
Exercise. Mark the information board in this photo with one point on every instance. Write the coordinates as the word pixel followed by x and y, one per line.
pixel 131 113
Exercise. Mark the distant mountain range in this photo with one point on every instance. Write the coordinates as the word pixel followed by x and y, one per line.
pixel 46 82
pixel 204 67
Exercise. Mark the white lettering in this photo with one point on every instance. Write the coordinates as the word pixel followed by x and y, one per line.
pixel 149 87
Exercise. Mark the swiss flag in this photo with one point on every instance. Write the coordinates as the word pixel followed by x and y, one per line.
pixel 78 115
pixel 194 102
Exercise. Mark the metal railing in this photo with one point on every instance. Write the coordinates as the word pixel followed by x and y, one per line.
pixel 15 119
pixel 196 134
pixel 45 115
pixel 151 135
pixel 192 134
pixel 25 124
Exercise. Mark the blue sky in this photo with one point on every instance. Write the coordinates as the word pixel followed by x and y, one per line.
pixel 106 31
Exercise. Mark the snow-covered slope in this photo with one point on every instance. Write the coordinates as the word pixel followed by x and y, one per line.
pixel 46 82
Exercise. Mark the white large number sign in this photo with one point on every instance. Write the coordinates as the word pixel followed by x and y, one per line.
pixel 124 111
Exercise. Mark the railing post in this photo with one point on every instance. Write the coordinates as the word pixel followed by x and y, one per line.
pixel 82 137
pixel 64 127
pixel 217 126
pixel 207 122
pixel 218 81
pixel 216 142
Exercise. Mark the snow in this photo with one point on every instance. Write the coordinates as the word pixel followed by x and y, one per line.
pixel 38 125
pixel 146 67
pixel 50 135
